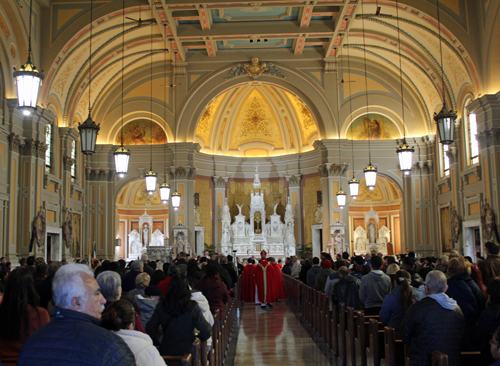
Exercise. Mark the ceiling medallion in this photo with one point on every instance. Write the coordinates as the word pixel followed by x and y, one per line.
pixel 255 69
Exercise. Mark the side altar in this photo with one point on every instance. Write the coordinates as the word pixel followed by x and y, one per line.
pixel 248 237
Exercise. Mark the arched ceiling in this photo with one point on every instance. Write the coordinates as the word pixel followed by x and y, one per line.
pixel 255 121
pixel 385 193
pixel 337 34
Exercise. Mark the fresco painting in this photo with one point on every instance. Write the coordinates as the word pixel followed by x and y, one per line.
pixel 139 132
pixel 376 126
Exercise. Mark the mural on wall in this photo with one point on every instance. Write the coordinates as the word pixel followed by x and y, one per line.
pixel 445 229
pixel 374 125
pixel 139 132
pixel 76 235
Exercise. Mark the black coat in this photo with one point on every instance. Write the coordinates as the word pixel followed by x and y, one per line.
pixel 430 327
pixel 303 272
pixel 73 338
pixel 486 324
pixel 232 272
pixel 346 290
pixel 178 333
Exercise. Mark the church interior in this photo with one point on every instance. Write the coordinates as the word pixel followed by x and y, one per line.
pixel 363 126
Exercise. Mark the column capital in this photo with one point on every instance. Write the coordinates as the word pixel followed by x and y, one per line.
pixel 220 182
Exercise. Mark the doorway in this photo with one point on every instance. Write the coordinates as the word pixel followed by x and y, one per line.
pixel 317 239
pixel 472 242
pixel 53 244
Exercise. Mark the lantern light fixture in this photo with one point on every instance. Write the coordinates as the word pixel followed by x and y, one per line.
pixel 370 176
pixel 341 198
pixel 405 152
pixel 28 79
pixel 164 192
pixel 89 129
pixel 150 182
pixel 122 155
pixel 353 187
pixel 176 200
pixel 445 119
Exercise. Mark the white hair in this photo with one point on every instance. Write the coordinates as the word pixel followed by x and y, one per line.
pixel 144 257
pixel 69 283
pixel 137 265
pixel 436 282
pixel 110 283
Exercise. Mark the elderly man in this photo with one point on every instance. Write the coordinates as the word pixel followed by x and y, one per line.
pixel 346 290
pixel 295 267
pixel 73 336
pixel 435 323
pixel 136 268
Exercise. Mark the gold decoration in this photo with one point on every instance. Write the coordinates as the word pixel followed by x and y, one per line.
pixel 255 121
pixel 207 120
pixel 4 27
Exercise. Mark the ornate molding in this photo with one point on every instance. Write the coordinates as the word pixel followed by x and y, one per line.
pixel 422 167
pixel 97 175
pixel 220 182
pixel 338 169
pixel 323 170
pixel 488 138
pixel 34 148
pixel 294 180
pixel 182 172
pixel 15 143
pixel 330 65
pixel 68 161
pixel 180 68
pixel 75 189
pixel 48 179
pixel 255 69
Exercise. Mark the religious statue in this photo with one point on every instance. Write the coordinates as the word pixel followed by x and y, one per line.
pixel 489 223
pixel 180 241
pixel 225 235
pixel 318 214
pixel 372 235
pixel 275 207
pixel 39 227
pixel 337 242
pixel 68 230
pixel 239 208
pixel 456 226
pixel 197 216
pixel 145 235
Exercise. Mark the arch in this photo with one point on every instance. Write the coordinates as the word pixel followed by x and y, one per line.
pixel 215 84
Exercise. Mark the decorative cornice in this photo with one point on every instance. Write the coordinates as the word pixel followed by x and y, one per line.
pixel 337 169
pixel 34 148
pixel 488 138
pixel 68 161
pixel 422 167
pixel 100 174
pixel 220 182
pixel 323 170
pixel 182 172
pixel 180 68
pixel 15 143
pixel 294 180
pixel 255 70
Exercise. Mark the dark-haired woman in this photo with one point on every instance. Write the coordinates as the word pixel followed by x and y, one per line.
pixel 397 303
pixel 19 314
pixel 178 317
pixel 488 322
pixel 214 289
pixel 120 318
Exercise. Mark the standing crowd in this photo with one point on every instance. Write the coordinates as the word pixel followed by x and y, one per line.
pixel 110 313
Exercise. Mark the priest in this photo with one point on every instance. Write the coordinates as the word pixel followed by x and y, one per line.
pixel 248 282
pixel 265 280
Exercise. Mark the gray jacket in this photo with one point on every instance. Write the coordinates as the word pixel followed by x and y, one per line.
pixel 374 288
pixel 311 275
pixel 147 307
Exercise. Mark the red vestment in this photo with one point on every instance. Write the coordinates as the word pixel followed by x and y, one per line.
pixel 248 283
pixel 265 280
pixel 278 282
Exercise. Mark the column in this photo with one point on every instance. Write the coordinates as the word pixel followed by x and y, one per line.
pixel 295 192
pixel 218 203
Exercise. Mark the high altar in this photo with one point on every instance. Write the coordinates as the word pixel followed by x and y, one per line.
pixel 371 240
pixel 245 239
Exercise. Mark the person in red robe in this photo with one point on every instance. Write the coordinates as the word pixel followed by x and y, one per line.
pixel 248 282
pixel 279 284
pixel 265 279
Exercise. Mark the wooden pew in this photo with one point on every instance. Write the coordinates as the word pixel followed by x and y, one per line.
pixel 185 360
pixel 394 349
pixel 341 330
pixel 350 334
pixel 470 358
pixel 361 339
pixel 333 330
pixel 440 359
pixel 196 353
pixel 376 342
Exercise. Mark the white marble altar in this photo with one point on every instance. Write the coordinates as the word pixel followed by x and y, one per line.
pixel 371 240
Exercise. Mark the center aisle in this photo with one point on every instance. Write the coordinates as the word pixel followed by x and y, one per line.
pixel 274 337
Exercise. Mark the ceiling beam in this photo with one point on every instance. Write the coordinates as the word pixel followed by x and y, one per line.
pixel 347 14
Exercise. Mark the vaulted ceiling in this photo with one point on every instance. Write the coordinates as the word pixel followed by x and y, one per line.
pixel 356 37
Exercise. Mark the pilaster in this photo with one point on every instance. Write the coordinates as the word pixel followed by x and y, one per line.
pixel 218 202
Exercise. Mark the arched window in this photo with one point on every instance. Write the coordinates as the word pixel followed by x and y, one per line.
pixel 48 152
pixel 73 157
pixel 471 135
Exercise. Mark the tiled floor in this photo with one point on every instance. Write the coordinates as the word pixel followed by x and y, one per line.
pixel 274 337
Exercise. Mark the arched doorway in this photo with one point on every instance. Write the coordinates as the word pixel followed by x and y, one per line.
pixel 376 215
pixel 142 219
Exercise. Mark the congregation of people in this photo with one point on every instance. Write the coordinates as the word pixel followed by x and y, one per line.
pixel 448 304
pixel 110 313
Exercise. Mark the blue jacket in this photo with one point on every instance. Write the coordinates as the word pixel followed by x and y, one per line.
pixel 391 313
pixel 462 293
pixel 73 338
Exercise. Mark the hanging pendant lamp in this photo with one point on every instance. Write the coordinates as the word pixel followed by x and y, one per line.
pixel 341 196
pixel 445 119
pixel 405 152
pixel 353 187
pixel 370 171
pixel 121 154
pixel 28 80
pixel 151 175
pixel 89 129
pixel 176 200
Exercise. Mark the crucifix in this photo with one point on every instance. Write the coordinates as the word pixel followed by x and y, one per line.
pixel 257 220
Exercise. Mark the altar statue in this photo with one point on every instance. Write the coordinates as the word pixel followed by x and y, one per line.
pixel 145 235
pixel 372 236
